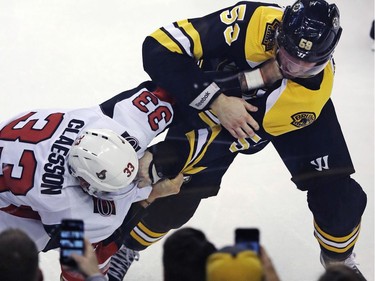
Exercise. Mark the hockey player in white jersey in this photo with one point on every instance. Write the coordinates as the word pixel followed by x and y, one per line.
pixel 81 164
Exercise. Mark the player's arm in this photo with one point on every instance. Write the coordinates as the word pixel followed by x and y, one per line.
pixel 108 106
pixel 189 86
pixel 163 188
pixel 171 55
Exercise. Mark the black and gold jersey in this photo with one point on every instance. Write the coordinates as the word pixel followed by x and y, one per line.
pixel 176 57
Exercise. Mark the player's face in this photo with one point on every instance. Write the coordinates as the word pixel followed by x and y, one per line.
pixel 292 67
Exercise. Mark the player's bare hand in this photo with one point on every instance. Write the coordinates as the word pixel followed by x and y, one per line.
pixel 166 187
pixel 234 116
pixel 143 175
pixel 271 72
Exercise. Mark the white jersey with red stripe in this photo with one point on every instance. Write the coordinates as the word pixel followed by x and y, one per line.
pixel 35 183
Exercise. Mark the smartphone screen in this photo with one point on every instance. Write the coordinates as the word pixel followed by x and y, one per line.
pixel 71 241
pixel 247 238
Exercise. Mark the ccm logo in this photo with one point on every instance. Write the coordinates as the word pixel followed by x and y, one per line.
pixel 129 169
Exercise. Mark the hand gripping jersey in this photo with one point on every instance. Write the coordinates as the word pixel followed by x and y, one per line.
pixel 35 184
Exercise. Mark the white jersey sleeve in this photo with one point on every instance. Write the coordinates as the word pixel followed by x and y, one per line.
pixel 35 182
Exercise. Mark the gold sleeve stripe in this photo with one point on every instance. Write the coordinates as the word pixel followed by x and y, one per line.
pixel 150 233
pixel 333 238
pixel 144 236
pixel 195 150
pixel 193 34
pixel 190 167
pixel 166 41
pixel 191 139
pixel 139 239
pixel 342 245
pixel 336 244
pixel 335 249
pixel 209 118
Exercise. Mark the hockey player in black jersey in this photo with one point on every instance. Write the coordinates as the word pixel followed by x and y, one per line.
pixel 277 80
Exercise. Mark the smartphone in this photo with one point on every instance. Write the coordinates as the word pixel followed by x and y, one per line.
pixel 71 241
pixel 247 238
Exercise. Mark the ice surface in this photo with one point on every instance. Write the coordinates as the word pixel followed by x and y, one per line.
pixel 78 53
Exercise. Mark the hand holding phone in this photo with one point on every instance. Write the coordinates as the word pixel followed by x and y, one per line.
pixel 71 241
pixel 88 263
pixel 248 238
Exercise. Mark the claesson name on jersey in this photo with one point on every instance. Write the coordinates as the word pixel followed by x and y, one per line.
pixel 54 169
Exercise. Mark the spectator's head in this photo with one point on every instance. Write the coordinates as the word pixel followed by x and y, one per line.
pixel 339 272
pixel 104 163
pixel 19 257
pixel 185 254
pixel 232 263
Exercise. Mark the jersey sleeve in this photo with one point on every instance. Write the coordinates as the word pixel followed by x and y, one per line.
pixel 173 54
pixel 143 113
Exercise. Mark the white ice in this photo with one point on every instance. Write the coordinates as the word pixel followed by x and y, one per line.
pixel 76 53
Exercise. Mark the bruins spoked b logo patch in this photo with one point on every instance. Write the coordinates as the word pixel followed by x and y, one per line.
pixel 303 119
pixel 270 35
